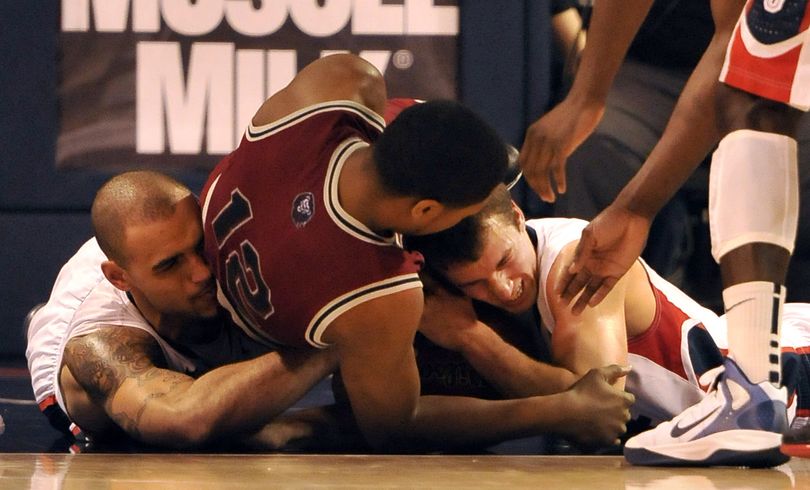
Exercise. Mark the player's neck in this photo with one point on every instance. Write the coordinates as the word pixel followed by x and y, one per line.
pixel 360 192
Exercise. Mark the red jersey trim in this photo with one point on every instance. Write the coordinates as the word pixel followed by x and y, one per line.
pixel 345 302
pixel 255 133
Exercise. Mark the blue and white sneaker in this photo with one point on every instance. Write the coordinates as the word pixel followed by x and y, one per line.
pixel 738 423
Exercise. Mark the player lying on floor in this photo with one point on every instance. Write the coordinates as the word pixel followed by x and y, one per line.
pixel 128 340
pixel 131 337
pixel 673 344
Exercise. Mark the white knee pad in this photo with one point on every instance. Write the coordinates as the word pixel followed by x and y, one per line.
pixel 753 191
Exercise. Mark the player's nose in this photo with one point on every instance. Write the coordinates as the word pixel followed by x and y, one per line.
pixel 200 272
pixel 501 286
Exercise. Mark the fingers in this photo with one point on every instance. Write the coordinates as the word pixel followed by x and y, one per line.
pixel 574 278
pixel 603 290
pixel 535 158
pixel 558 169
pixel 629 399
pixel 572 284
pixel 613 372
pixel 588 291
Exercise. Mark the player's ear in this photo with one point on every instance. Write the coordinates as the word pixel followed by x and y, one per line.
pixel 116 275
pixel 520 218
pixel 424 210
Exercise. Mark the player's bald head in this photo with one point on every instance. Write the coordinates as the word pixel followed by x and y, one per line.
pixel 132 198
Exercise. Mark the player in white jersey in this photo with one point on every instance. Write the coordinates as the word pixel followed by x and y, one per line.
pixel 673 344
pixel 132 330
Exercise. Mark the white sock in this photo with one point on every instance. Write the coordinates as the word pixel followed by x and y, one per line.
pixel 754 315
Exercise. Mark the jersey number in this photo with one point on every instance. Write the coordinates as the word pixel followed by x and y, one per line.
pixel 244 282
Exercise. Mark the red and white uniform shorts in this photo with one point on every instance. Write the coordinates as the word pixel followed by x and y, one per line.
pixel 769 53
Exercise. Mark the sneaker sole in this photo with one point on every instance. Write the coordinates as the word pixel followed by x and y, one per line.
pixel 756 449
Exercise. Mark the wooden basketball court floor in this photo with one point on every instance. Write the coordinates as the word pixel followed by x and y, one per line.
pixel 234 471
pixel 34 456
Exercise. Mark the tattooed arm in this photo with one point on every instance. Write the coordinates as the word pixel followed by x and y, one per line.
pixel 121 372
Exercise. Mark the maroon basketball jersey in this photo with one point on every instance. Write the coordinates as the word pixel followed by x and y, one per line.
pixel 287 257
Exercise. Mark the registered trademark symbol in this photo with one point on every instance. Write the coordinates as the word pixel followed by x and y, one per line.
pixel 403 59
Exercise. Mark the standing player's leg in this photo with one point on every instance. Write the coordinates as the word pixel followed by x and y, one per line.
pixel 753 216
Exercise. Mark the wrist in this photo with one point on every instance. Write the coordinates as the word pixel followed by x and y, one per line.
pixel 587 98
pixel 631 201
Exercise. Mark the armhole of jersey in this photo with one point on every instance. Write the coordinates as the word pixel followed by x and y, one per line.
pixel 255 133
pixel 332 310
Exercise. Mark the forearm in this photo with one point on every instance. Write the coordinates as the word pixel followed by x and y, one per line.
pixel 613 26
pixel 239 397
pixel 446 422
pixel 690 134
pixel 513 373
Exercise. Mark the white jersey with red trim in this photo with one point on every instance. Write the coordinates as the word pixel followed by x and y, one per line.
pixel 81 302
pixel 684 340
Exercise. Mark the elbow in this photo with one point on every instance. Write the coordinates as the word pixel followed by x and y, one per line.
pixel 193 436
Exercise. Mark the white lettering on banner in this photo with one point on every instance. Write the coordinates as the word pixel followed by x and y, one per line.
pixel 207 97
pixel 222 91
pixel 367 17
pixel 321 21
pixel 266 19
pixel 424 18
pixel 110 15
pixel 194 19
pixel 419 17
pixel 213 99
pixel 370 17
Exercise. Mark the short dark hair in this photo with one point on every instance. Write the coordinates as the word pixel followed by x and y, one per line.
pixel 440 150
pixel 464 242
pixel 130 198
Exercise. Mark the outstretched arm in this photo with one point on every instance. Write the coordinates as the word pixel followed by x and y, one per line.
pixel 123 370
pixel 450 321
pixel 615 238
pixel 382 383
pixel 553 137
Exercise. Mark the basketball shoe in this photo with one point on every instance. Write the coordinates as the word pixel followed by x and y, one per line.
pixel 738 423
pixel 796 441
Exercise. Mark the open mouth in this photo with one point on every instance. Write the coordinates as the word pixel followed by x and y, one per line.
pixel 517 295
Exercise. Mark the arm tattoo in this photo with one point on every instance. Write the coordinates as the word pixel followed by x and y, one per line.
pixel 103 360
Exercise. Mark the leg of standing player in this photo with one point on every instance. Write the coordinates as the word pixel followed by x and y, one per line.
pixel 753 208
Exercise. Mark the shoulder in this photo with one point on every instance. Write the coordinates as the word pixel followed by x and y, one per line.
pixel 336 77
pixel 114 344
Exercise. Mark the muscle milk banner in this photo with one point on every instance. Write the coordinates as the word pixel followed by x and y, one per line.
pixel 173 83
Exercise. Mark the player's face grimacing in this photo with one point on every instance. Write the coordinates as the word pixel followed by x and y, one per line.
pixel 166 266
pixel 505 275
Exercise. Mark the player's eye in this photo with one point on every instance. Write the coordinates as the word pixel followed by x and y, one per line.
pixel 166 265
